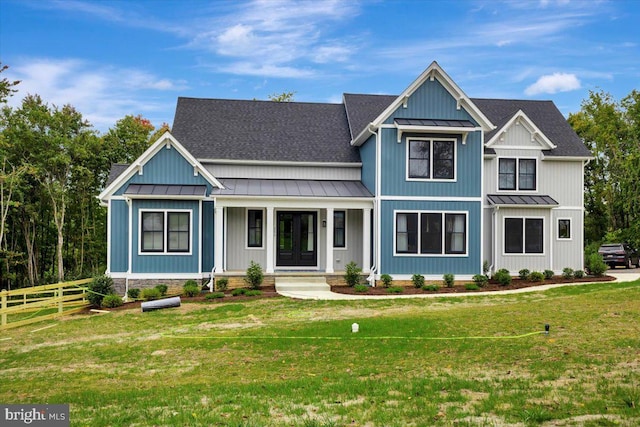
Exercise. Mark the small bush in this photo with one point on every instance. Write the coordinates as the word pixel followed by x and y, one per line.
pixel 111 301
pixel 253 293
pixel 386 280
pixel 503 277
pixel 596 265
pixel 567 273
pixel 449 280
pixel 221 284
pixel 133 293
pixel 431 287
pixel 524 274
pixel 191 289
pixel 471 287
pixel 100 287
pixel 417 280
pixel 480 280
pixel 352 274
pixel 548 274
pixel 254 275
pixel 485 267
pixel 240 291
pixel 395 289
pixel 150 294
pixel 190 282
pixel 163 289
pixel 214 295
pixel 361 288
pixel 536 276
pixel 578 274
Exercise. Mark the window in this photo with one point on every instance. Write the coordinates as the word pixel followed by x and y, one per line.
pixel 254 228
pixel 564 229
pixel 523 235
pixel 431 159
pixel 339 229
pixel 517 174
pixel 431 233
pixel 177 237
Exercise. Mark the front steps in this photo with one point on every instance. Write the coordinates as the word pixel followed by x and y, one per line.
pixel 301 283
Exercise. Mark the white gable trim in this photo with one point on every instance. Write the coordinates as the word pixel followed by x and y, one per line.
pixel 536 134
pixel 434 71
pixel 166 141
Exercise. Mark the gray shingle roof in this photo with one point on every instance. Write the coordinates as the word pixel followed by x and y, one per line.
pixel 116 170
pixel 290 188
pixel 363 109
pixel 264 130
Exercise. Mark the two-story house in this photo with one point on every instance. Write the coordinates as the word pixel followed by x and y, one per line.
pixel 427 182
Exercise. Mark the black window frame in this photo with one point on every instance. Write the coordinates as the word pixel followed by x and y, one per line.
pixel 430 233
pixel 340 229
pixel 166 232
pixel 144 232
pixel 521 236
pixel 255 230
pixel 179 232
pixel 566 228
pixel 440 164
pixel 517 173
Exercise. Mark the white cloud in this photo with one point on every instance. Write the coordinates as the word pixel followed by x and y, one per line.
pixel 553 83
pixel 104 94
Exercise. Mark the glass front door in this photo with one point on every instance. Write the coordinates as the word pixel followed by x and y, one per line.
pixel 297 239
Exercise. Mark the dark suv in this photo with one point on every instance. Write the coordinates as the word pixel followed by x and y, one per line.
pixel 619 254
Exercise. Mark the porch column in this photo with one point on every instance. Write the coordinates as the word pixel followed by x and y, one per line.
pixel 329 241
pixel 218 248
pixel 366 240
pixel 270 231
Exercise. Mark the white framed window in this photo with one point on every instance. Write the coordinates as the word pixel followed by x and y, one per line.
pixel 255 228
pixel 340 229
pixel 515 173
pixel 431 159
pixel 564 229
pixel 165 232
pixel 523 236
pixel 427 233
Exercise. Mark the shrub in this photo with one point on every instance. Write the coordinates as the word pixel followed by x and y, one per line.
pixel 485 267
pixel 214 295
pixel 395 289
pixel 361 288
pixel 567 273
pixel 536 276
pixel 386 280
pixel 150 294
pixel 254 275
pixel 548 274
pixel 133 293
pixel 240 291
pixel 221 284
pixel 163 289
pixel 352 274
pixel 578 274
pixel 596 265
pixel 524 274
pixel 191 289
pixel 100 287
pixel 431 287
pixel 471 287
pixel 449 279
pixel 503 277
pixel 111 301
pixel 417 280
pixel 253 293
pixel 480 280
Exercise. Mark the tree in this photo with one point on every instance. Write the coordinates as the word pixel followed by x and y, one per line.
pixel 6 87
pixel 282 97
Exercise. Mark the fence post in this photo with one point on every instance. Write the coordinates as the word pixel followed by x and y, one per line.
pixel 3 306
pixel 60 294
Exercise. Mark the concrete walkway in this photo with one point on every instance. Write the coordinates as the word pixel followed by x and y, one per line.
pixel 316 291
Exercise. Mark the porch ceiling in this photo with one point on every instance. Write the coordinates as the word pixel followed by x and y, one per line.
pixel 290 188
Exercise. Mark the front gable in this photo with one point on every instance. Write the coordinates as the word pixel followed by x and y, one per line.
pixel 520 132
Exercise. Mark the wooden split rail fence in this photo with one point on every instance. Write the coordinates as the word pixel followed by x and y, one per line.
pixel 28 305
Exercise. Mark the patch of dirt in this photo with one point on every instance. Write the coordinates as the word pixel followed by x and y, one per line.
pixel 492 286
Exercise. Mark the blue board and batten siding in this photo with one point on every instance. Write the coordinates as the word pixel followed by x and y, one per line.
pixel 368 159
pixel 119 239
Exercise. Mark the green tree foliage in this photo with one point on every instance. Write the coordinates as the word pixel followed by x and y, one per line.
pixel 611 130
pixel 282 97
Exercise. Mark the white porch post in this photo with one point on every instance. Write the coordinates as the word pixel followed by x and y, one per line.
pixel 218 248
pixel 270 230
pixel 366 240
pixel 329 241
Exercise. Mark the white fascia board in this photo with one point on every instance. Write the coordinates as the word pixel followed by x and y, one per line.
pixel 522 118
pixel 366 133
pixel 434 71
pixel 566 158
pixel 279 163
pixel 166 140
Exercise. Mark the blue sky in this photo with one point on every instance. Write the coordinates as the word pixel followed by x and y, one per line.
pixel 113 58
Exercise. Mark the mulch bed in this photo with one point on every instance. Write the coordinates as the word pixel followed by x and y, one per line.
pixel 460 288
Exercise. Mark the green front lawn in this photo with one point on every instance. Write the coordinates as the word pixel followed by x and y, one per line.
pixel 273 362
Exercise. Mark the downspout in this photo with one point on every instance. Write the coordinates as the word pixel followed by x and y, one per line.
pixel 376 205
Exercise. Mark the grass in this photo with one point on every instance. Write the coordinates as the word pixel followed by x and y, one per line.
pixel 272 362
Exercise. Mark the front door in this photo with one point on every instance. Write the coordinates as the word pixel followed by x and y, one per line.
pixel 297 239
